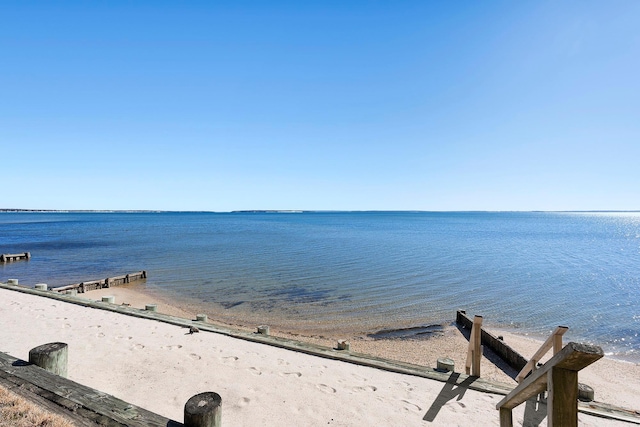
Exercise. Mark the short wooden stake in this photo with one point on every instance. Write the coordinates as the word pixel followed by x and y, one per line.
pixel 445 364
pixel 110 299
pixel 151 307
pixel 41 286
pixel 12 282
pixel 263 330
pixel 344 345
pixel 203 410
pixel 52 357
pixel 201 317
pixel 585 393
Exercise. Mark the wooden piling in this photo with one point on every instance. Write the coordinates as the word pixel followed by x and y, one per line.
pixel 445 364
pixel 203 410
pixel 151 307
pixel 12 282
pixel 263 330
pixel 41 286
pixel 344 345
pixel 52 357
pixel 201 318
pixel 109 298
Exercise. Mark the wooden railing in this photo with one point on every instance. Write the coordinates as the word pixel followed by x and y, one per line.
pixel 554 340
pixel 560 377
pixel 474 353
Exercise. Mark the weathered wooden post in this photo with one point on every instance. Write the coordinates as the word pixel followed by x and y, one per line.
pixel 41 286
pixel 344 345
pixel 109 298
pixel 474 353
pixel 52 357
pixel 203 410
pixel 27 255
pixel 201 318
pixel 151 307
pixel 12 282
pixel 445 364
pixel 263 330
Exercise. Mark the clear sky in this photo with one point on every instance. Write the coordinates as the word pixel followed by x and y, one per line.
pixel 336 105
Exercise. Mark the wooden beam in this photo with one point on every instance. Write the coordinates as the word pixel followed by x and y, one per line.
pixel 92 403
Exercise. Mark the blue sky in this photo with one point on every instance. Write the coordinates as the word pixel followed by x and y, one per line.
pixel 350 105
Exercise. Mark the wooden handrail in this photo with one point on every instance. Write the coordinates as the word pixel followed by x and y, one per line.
pixel 554 340
pixel 560 376
pixel 474 352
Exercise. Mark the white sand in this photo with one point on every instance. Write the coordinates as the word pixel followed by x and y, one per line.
pixel 159 367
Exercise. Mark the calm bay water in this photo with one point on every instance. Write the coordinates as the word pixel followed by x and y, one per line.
pixel 360 271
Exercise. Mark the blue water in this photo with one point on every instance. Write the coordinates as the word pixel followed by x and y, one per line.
pixel 360 271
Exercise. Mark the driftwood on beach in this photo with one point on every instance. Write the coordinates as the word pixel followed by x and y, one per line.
pixel 104 283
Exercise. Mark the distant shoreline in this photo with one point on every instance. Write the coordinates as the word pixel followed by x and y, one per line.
pixel 12 210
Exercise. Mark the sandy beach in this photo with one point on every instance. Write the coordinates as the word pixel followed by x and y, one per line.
pixel 160 366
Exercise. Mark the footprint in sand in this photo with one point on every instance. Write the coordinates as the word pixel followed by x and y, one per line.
pixel 94 326
pixel 66 325
pixel 244 401
pixel 172 347
pixel 358 377
pixel 138 346
pixel 282 362
pixel 367 388
pixel 230 359
pixel 291 374
pixel 255 371
pixel 100 335
pixel 325 388
pixel 410 406
pixel 195 356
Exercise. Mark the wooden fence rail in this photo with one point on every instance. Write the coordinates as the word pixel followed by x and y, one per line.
pixel 554 340
pixel 560 377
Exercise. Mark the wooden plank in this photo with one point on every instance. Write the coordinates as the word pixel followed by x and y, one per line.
pixel 102 404
pixel 35 395
pixel 573 357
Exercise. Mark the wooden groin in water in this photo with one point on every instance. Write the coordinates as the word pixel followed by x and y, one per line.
pixel 25 256
pixel 104 283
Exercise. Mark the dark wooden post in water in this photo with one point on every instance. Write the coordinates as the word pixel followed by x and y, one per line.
pixel 52 357
pixel 203 410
